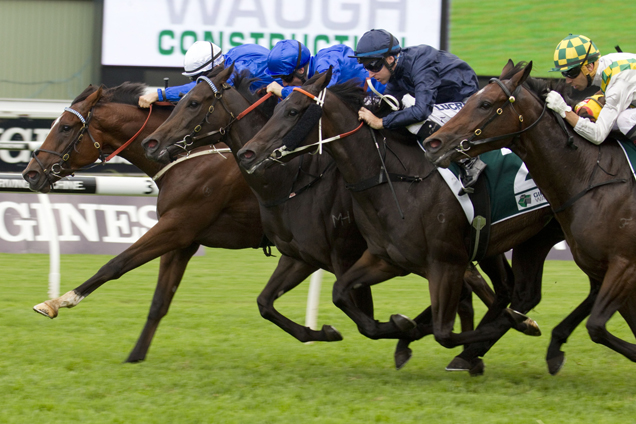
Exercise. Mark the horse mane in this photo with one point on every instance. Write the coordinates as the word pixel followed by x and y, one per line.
pixel 126 93
pixel 243 81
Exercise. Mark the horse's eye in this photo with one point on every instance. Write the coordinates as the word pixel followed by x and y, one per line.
pixel 193 104
pixel 485 105
pixel 292 112
pixel 65 128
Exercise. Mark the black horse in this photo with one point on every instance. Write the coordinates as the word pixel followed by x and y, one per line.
pixel 430 238
pixel 591 190
pixel 312 222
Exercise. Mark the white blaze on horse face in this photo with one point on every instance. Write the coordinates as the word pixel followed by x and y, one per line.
pixel 56 121
pixel 480 91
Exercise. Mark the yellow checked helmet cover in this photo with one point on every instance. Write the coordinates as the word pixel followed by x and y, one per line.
pixel 574 50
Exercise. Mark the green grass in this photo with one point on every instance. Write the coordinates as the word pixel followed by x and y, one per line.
pixel 215 359
pixel 487 33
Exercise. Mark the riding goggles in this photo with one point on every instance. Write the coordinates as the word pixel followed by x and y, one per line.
pixel 374 65
pixel 572 73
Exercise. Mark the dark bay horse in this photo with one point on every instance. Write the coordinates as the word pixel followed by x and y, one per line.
pixel 207 192
pixel 591 189
pixel 316 228
pixel 429 239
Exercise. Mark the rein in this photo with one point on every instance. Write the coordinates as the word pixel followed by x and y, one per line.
pixel 282 151
pixel 470 142
pixel 189 139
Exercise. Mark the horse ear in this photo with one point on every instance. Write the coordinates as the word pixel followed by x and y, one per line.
pixel 322 81
pixel 94 97
pixel 225 74
pixel 507 68
pixel 521 76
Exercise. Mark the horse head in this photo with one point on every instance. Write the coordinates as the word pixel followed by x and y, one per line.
pixel 202 108
pixel 293 120
pixel 67 146
pixel 489 120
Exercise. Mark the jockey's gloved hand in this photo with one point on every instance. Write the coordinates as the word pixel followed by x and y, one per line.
pixel 555 102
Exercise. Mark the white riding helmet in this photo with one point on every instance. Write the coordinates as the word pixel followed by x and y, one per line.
pixel 201 56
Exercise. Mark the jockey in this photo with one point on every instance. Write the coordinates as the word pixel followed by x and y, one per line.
pixel 438 81
pixel 202 56
pixel 292 62
pixel 580 62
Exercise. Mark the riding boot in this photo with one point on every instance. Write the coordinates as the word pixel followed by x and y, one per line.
pixel 471 168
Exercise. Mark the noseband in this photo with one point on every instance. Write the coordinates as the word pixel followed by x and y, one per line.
pixel 465 145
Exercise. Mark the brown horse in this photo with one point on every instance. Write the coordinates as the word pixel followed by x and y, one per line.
pixel 312 230
pixel 591 189
pixel 430 238
pixel 207 192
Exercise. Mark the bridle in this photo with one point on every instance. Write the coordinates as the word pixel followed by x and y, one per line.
pixel 466 144
pixel 187 142
pixel 282 151
pixel 65 155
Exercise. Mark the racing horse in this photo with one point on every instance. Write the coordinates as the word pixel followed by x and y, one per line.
pixel 302 242
pixel 590 188
pixel 202 201
pixel 428 237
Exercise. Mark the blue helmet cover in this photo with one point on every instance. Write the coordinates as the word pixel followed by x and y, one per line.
pixel 283 59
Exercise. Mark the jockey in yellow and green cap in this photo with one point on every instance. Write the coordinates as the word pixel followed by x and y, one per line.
pixel 580 62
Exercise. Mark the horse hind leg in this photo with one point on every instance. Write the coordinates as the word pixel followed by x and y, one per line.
pixel 171 269
pixel 289 274
pixel 617 286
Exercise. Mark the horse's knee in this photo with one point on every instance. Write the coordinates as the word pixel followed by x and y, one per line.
pixel 264 307
pixel 339 297
pixel 445 339
pixel 597 332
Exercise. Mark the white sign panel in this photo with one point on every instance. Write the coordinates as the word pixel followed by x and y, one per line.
pixel 159 32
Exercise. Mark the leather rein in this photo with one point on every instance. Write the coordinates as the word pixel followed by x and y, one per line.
pixel 466 144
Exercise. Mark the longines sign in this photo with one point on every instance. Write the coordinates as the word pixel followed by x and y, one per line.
pixel 159 32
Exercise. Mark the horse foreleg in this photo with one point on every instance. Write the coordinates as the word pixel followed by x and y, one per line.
pixel 367 271
pixel 171 269
pixel 161 238
pixel 560 334
pixel 289 274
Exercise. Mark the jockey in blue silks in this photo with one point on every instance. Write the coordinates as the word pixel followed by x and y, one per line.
pixel 292 62
pixel 202 56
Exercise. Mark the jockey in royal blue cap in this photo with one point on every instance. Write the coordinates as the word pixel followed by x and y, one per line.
pixel 292 62
pixel 438 83
pixel 202 56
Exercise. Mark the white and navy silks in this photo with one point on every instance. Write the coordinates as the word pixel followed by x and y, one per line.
pixel 432 77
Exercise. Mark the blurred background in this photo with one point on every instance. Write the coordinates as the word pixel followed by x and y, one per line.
pixel 52 49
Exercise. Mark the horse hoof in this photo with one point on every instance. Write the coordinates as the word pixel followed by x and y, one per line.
pixel 531 328
pixel 402 356
pixel 555 364
pixel 403 323
pixel 458 364
pixel 332 335
pixel 46 310
pixel 478 367
pixel 523 323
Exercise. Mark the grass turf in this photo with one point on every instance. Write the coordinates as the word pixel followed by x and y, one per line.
pixel 215 359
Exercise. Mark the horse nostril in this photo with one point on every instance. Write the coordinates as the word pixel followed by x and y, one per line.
pixel 434 144
pixel 31 176
pixel 151 144
pixel 248 154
